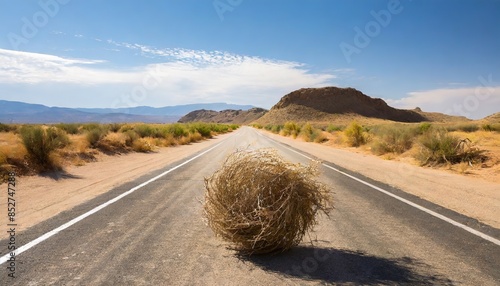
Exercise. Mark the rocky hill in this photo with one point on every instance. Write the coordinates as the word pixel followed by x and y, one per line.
pixel 341 104
pixel 224 116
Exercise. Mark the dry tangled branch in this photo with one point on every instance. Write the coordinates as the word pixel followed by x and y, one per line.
pixel 261 203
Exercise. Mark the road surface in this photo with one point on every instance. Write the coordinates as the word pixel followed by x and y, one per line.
pixel 154 234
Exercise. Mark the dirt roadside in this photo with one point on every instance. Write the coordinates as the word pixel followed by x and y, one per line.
pixel 41 197
pixel 472 197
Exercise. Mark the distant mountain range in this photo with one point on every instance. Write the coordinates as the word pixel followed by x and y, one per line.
pixel 20 112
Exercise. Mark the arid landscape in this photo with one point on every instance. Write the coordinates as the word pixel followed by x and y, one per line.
pixel 340 119
pixel 232 142
pixel 445 161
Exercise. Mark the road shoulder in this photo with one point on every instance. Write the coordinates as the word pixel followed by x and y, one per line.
pixel 42 197
pixel 471 197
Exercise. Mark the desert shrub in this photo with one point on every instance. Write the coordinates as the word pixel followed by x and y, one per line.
pixel 332 128
pixel 69 128
pixel 424 127
pixel 126 127
pixel 261 203
pixel 177 130
pixel 194 137
pixel 490 127
pixel 6 128
pixel 145 130
pixel 393 139
pixel 203 128
pixel 142 145
pixel 114 143
pixel 468 127
pixel 355 134
pixel 495 127
pixel 40 144
pixel 274 128
pixel 91 126
pixel 290 129
pixel 439 147
pixel 311 134
pixel 95 135
pixel 257 125
pixel 130 137
pixel 487 127
pixel 115 127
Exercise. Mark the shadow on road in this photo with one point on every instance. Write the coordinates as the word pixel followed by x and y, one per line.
pixel 345 266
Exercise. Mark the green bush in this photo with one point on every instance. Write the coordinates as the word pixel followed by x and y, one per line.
pixel 393 139
pixel 424 127
pixel 41 143
pixel 468 128
pixel 257 125
pixel 6 128
pixel 115 127
pixel 145 130
pixel 332 128
pixel 177 130
pixel 95 135
pixel 69 128
pixel 290 129
pixel 204 129
pixel 311 134
pixel 356 135
pixel 130 137
pixel 91 126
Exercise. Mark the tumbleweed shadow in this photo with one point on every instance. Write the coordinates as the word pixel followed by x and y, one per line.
pixel 346 266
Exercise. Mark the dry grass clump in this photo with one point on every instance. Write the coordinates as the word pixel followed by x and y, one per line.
pixel 439 146
pixel 262 204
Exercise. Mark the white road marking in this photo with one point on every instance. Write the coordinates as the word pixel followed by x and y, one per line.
pixel 435 214
pixel 53 232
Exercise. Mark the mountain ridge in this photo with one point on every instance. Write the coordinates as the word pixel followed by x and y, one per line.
pixel 224 116
pixel 342 104
pixel 21 112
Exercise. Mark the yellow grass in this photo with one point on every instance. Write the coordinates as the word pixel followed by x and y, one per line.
pixel 12 152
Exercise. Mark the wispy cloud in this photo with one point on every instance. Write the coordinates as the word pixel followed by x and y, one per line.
pixel 32 68
pixel 180 75
pixel 472 102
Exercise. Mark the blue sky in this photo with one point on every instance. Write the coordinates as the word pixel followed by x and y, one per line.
pixel 439 55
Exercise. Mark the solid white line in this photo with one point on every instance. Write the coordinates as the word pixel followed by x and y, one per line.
pixel 53 232
pixel 435 214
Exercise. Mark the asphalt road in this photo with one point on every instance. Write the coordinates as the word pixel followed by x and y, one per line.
pixel 155 235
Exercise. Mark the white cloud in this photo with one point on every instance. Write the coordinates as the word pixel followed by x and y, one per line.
pixel 472 102
pixel 180 76
pixel 32 68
